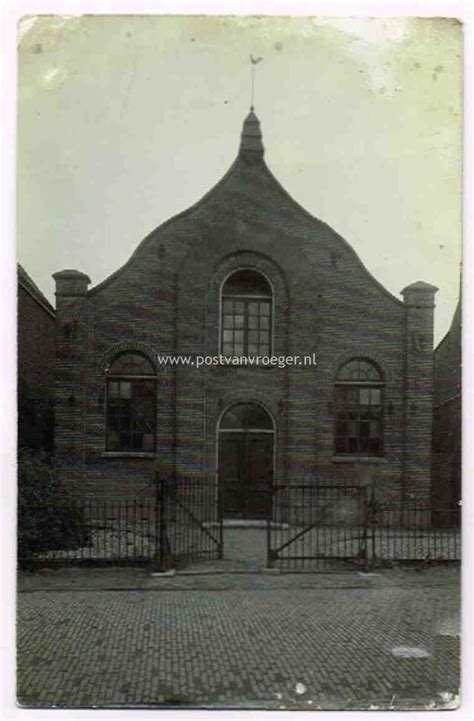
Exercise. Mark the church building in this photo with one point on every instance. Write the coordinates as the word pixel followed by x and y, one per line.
pixel 245 272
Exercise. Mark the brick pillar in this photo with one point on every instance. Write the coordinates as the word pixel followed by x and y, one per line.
pixel 418 415
pixel 71 334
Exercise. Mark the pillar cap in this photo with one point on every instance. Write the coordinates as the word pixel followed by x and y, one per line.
pixel 70 274
pixel 420 287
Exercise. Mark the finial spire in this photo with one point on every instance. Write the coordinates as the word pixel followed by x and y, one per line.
pixel 253 63
pixel 251 145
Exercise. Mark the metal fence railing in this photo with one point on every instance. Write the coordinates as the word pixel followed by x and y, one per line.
pixel 330 526
pixel 307 527
pixel 92 531
pixel 180 523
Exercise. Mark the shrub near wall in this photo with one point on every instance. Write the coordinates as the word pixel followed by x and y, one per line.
pixel 47 520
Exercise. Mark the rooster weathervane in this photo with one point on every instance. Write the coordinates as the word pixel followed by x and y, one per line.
pixel 253 63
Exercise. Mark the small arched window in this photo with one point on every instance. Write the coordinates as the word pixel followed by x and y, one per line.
pixel 131 404
pixel 246 322
pixel 359 409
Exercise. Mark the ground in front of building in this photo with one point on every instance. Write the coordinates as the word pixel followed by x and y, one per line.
pixel 113 637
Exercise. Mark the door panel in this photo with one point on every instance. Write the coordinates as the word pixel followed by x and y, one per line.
pixel 259 473
pixel 231 457
pixel 245 473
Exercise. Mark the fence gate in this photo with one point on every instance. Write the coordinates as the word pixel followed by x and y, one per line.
pixel 190 521
pixel 318 526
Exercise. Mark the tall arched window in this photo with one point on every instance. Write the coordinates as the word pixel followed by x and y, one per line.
pixel 359 409
pixel 246 323
pixel 131 404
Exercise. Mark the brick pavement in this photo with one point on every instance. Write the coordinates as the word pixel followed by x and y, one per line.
pixel 257 645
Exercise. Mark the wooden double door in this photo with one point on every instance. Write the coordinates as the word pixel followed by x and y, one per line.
pixel 245 473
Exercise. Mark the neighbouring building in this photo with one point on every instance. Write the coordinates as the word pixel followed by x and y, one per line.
pixel 246 271
pixel 447 423
pixel 36 360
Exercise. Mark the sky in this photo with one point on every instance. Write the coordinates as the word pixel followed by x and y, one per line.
pixel 124 121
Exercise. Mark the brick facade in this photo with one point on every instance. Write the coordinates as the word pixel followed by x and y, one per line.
pixel 447 418
pixel 166 300
pixel 36 359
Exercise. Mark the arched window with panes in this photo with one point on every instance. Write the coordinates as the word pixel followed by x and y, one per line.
pixel 131 404
pixel 359 409
pixel 246 318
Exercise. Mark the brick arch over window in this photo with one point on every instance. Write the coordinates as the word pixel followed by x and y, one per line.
pixel 358 352
pixel 125 347
pixel 272 273
pixel 232 398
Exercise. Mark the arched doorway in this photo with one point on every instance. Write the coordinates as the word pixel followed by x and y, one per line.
pixel 246 436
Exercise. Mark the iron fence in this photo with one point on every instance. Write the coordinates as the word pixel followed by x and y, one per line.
pixel 344 527
pixel 180 523
pixel 307 527
pixel 413 533
pixel 87 532
pixel 317 526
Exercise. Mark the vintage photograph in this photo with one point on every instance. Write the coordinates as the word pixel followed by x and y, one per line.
pixel 239 362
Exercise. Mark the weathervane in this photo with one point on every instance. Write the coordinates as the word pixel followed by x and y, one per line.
pixel 254 62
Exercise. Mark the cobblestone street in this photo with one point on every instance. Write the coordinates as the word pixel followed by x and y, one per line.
pixel 290 641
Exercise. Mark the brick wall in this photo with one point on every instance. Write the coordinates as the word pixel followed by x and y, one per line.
pixel 36 333
pixel 166 300
pixel 447 418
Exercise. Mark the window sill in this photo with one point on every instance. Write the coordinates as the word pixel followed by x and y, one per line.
pixel 128 454
pixel 359 459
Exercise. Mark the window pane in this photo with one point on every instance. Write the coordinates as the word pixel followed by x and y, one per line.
pixel 253 308
pixel 263 336
pixel 359 369
pixel 375 396
pixel 265 322
pixel 125 389
pixel 228 306
pixel 247 282
pixel 253 349
pixel 238 350
pixel 246 415
pixel 238 306
pixel 114 390
pixel 239 321
pixel 264 349
pixel 228 321
pixel 228 348
pixel 253 321
pixel 253 336
pixel 131 364
pixel 239 336
pixel 358 419
pixel 228 336
pixel 132 416
pixel 264 309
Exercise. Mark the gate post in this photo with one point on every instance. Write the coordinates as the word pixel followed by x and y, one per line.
pixel 269 504
pixel 220 520
pixel 370 525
